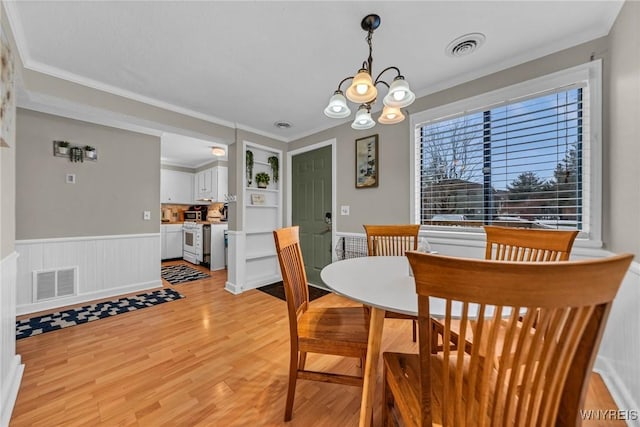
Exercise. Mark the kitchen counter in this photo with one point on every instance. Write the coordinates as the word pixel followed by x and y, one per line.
pixel 199 222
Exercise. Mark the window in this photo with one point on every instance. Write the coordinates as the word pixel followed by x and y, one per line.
pixel 521 156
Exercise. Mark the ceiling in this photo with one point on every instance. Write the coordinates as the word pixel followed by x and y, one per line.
pixel 251 64
pixel 180 150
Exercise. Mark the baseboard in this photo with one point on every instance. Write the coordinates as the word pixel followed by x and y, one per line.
pixel 10 393
pixel 616 385
pixel 79 299
pixel 232 288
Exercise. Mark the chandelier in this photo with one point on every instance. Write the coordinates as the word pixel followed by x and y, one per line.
pixel 363 90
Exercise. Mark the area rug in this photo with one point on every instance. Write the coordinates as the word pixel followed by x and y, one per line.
pixel 176 274
pixel 277 290
pixel 88 313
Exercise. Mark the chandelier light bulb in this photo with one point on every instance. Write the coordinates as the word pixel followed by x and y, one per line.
pixel 398 95
pixel 361 89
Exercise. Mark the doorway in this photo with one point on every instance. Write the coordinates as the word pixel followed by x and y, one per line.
pixel 312 208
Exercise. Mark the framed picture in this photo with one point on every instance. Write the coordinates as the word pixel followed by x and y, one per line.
pixel 367 162
pixel 257 199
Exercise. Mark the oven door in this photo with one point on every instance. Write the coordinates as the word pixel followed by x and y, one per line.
pixel 189 240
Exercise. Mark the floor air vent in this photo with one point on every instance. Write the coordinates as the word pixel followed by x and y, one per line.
pixel 52 284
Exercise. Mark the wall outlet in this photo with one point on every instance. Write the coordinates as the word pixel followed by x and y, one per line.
pixel 70 178
pixel 344 210
pixel 146 215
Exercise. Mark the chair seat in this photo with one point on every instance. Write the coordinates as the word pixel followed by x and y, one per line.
pixel 438 329
pixel 341 331
pixel 402 371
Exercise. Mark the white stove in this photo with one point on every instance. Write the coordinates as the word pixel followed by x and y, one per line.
pixel 196 240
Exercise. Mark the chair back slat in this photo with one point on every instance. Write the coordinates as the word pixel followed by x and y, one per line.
pixel 391 240
pixel 294 276
pixel 531 315
pixel 527 244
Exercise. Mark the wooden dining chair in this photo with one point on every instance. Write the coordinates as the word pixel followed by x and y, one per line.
pixel 544 383
pixel 339 331
pixel 520 245
pixel 393 240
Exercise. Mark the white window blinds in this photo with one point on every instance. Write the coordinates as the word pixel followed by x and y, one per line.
pixel 516 163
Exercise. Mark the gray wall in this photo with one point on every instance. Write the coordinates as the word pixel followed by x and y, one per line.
pixel 7 164
pixel 110 195
pixel 623 201
pixel 8 197
pixel 389 202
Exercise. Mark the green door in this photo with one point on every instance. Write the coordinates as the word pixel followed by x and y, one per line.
pixel 310 204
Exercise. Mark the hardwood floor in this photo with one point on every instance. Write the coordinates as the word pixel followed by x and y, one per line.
pixel 209 359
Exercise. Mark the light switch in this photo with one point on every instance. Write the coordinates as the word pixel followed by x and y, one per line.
pixel 344 210
pixel 147 215
pixel 70 178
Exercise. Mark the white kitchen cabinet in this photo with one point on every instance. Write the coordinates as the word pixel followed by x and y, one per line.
pixel 203 184
pixel 176 186
pixel 220 182
pixel 211 184
pixel 171 241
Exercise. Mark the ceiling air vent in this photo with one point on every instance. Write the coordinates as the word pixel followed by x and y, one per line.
pixel 465 45
pixel 282 125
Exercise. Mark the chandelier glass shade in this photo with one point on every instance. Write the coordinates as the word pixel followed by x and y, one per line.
pixel 337 108
pixel 390 115
pixel 363 90
pixel 363 119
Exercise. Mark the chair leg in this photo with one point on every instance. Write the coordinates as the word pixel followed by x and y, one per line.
pixel 387 398
pixel 303 360
pixel 293 376
pixel 415 332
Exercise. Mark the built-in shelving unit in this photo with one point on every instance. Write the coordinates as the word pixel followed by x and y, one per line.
pixel 256 262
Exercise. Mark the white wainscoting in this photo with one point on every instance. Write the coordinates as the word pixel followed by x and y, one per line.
pixel 11 368
pixel 618 360
pixel 107 266
pixel 235 262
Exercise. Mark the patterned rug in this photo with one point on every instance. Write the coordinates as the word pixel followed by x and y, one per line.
pixel 88 313
pixel 277 290
pixel 176 274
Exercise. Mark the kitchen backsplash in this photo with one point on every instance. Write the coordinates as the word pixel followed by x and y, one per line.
pixel 175 213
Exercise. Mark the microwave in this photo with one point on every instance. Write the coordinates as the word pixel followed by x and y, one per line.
pixel 193 215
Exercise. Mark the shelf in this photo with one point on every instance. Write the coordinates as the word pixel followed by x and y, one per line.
pixel 268 190
pixel 258 162
pixel 262 206
pixel 258 232
pixel 259 255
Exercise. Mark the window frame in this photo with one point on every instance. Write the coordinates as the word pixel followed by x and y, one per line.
pixel 591 73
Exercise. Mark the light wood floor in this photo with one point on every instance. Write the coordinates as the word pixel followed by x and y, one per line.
pixel 209 359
